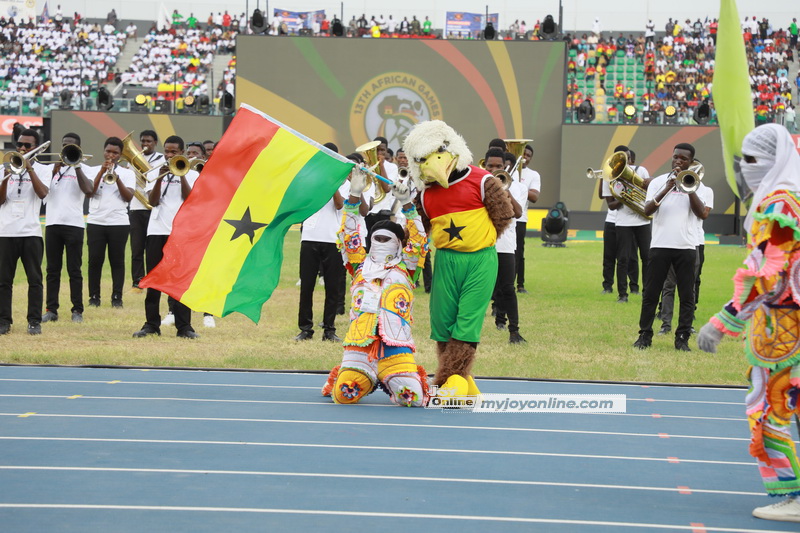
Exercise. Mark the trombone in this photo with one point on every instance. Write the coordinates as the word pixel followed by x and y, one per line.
pixel 197 164
pixel 688 181
pixel 15 162
pixel 70 155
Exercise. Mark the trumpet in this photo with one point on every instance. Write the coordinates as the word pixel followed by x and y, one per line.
pixel 110 177
pixel 16 162
pixel 197 164
pixel 71 155
pixel 503 175
pixel 177 166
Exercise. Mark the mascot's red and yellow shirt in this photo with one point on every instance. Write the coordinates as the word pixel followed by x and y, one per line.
pixel 459 220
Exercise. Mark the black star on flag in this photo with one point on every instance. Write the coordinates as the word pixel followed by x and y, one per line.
pixel 454 231
pixel 245 226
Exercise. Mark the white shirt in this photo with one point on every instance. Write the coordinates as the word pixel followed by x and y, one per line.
pixel 388 200
pixel 627 216
pixel 533 182
pixel 171 200
pixel 706 195
pixel 155 160
pixel 65 199
pixel 674 223
pixel 323 225
pixel 19 214
pixel 106 207
pixel 611 215
pixel 507 241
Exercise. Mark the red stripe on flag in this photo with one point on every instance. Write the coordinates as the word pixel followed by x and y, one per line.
pixel 198 218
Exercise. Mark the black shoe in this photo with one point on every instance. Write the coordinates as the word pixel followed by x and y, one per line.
pixel 682 343
pixel 187 334
pixel 622 300
pixel 145 331
pixel 515 338
pixel 340 310
pixel 34 328
pixel 643 342
pixel 494 310
pixel 606 291
pixel 5 329
pixel 94 301
pixel 116 302
pixel 77 317
pixel 665 328
pixel 304 336
pixel 634 290
pixel 500 327
pixel 331 336
pixel 50 316
pixel 635 293
pixel 522 290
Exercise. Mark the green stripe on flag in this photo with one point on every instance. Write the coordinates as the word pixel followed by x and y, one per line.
pixel 310 189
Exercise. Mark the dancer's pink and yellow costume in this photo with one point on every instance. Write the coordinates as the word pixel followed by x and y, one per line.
pixel 379 348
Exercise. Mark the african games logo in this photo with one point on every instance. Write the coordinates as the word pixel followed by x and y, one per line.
pixel 389 105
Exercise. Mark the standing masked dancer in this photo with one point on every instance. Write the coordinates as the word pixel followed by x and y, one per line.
pixel 465 208
pixel 766 306
pixel 378 347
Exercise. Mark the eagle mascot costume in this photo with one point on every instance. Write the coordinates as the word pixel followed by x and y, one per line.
pixel 464 208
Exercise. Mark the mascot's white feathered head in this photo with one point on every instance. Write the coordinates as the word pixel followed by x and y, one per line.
pixel 434 150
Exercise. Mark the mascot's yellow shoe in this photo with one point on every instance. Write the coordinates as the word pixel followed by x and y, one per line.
pixel 351 386
pixel 472 389
pixel 454 386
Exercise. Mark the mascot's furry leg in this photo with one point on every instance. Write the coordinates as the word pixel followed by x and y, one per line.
pixel 455 368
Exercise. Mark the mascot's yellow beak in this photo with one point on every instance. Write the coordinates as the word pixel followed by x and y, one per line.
pixel 437 167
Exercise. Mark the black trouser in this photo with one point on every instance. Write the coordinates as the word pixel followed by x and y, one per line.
pixel 427 271
pixel 701 258
pixel 313 255
pixel 519 254
pixel 610 259
pixel 152 301
pixel 629 238
pixel 505 295
pixel 668 293
pixel 661 259
pixel 30 250
pixel 59 238
pixel 139 219
pixel 115 238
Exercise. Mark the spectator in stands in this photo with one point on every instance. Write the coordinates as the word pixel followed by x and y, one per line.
pixel 111 18
pixel 177 19
pixel 191 22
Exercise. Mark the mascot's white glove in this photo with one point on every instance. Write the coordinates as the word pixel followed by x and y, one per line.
pixel 358 181
pixel 708 338
pixel 401 192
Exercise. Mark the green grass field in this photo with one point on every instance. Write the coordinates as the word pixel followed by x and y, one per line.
pixel 573 331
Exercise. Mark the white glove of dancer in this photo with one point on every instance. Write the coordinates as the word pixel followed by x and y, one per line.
pixel 358 182
pixel 708 338
pixel 401 192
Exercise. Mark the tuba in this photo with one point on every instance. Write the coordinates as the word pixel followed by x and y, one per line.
pixel 517 148
pixel 625 184
pixel 140 167
pixel 688 181
pixel 369 151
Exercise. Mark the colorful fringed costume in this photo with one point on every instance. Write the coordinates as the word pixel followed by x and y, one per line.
pixel 378 347
pixel 766 308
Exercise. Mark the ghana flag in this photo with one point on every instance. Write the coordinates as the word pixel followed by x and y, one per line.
pixel 226 247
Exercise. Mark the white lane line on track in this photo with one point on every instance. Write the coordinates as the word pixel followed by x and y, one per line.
pixel 325 403
pixel 366 514
pixel 376 424
pixel 378 448
pixel 371 477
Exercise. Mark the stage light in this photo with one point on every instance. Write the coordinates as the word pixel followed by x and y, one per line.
pixel 203 104
pixel 629 114
pixel 65 99
pixel 585 112
pixel 702 114
pixel 554 226
pixel 488 32
pixel 670 115
pixel 337 29
pixel 226 103
pixel 140 103
pixel 549 29
pixel 104 100
pixel 161 106
pixel 649 117
pixel 257 22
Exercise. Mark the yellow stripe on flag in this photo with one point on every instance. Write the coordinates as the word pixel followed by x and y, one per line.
pixel 261 190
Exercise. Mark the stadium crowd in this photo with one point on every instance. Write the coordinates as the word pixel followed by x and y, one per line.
pixel 676 71
pixel 41 60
